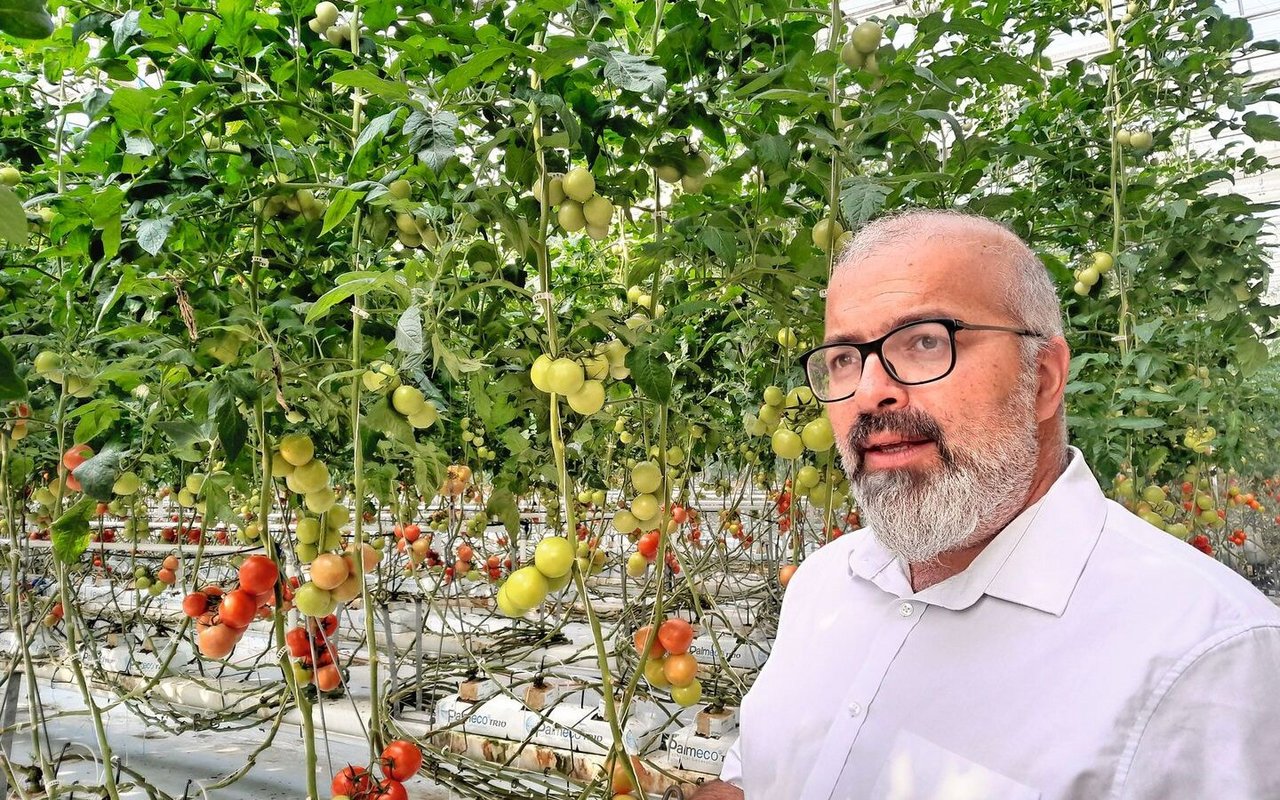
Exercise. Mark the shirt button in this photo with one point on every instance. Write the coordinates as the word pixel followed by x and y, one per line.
pixel 854 709
pixel 906 609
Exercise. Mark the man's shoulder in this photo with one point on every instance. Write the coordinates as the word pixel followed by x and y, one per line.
pixel 1155 569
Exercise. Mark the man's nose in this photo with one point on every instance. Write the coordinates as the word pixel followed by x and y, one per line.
pixel 877 390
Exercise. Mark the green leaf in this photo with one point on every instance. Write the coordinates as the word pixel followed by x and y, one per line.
pixel 375 130
pixel 382 87
pixel 230 424
pixel 1136 423
pixel 98 474
pixel 95 417
pixel 502 506
pixel 355 283
pixel 722 243
pixel 1261 127
pixel 152 234
pixel 70 532
pixel 1251 355
pixel 339 208
pixel 384 419
pixel 860 199
pixel 409 336
pixel 629 71
pixel 12 386
pixel 13 220
pixel 1146 330
pixel 434 135
pixel 651 373
pixel 25 19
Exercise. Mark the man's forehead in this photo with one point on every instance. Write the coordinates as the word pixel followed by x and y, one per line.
pixel 896 284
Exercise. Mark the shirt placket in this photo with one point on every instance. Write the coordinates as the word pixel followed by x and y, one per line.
pixel 901 617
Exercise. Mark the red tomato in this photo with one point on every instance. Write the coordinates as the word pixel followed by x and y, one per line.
pixel 675 635
pixel 351 781
pixel 329 624
pixel 258 574
pixel 412 532
pixel 237 609
pixel 195 603
pixel 401 760
pixel 217 641
pixel 328 678
pixel 656 650
pixel 647 546
pixel 389 789
pixel 299 642
pixel 76 455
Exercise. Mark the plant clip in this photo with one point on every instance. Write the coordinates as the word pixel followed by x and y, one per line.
pixel 359 312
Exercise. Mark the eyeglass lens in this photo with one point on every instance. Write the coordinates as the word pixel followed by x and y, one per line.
pixel 915 354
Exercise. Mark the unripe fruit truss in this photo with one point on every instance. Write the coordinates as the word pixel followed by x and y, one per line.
pixel 850 56
pixel 400 188
pixel 565 376
pixel 309 477
pixel 866 37
pixel 825 232
pixel 1141 141
pixel 598 211
pixel 579 184
pixel 1103 261
pixel 408 400
pixel 570 216
pixel 588 399
pixel 555 190
pixel 296 448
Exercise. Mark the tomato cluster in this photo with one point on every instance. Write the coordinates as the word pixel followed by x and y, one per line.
pixel 222 617
pixel 528 587
pixel 314 653
pixel 400 760
pixel 667 662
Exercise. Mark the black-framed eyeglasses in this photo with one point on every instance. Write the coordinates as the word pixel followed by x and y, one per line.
pixel 917 352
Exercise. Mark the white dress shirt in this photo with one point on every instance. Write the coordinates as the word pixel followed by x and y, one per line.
pixel 1083 654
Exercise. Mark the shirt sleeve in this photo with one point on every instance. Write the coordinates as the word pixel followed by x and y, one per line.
pixel 731 770
pixel 1210 729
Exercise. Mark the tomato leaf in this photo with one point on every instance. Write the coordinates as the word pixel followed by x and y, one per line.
pixel 12 386
pixel 502 506
pixel 13 220
pixel 722 243
pixel 650 372
pixel 70 532
pixel 349 285
pixel 98 474
pixel 384 419
pixel 860 199
pixel 152 234
pixel 339 208
pixel 434 135
pixel 25 19
pixel 382 87
pixel 629 71
pixel 1251 354
pixel 375 130
pixel 227 419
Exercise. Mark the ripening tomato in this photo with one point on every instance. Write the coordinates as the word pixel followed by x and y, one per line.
pixel 76 455
pixel 217 641
pixel 465 552
pixel 680 670
pixel 786 571
pixel 327 676
pixel 351 780
pixel 675 635
pixel 329 624
pixel 401 760
pixel 258 574
pixel 195 603
pixel 237 609
pixel 656 649
pixel 647 545
pixel 411 532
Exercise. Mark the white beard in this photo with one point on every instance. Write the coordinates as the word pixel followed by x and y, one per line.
pixel 919 517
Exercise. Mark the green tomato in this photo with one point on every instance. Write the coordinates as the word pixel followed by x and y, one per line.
pixel 818 435
pixel 553 556
pixel 408 400
pixel 565 376
pixel 646 477
pixel 637 565
pixel 866 37
pixel 787 444
pixel 645 507
pixel 507 607
pixel 526 588
pixel 579 184
pixel 685 696
pixel 312 601
pixel 588 399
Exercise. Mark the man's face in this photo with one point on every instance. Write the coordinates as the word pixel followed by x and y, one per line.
pixel 937 465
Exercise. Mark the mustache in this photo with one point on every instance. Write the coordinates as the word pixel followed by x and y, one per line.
pixel 910 423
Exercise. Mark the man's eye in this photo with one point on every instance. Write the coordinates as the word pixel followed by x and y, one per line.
pixel 840 362
pixel 926 343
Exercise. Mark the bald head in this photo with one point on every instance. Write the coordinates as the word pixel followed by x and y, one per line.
pixel 999 257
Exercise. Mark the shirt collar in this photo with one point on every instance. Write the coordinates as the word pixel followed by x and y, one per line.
pixel 1035 561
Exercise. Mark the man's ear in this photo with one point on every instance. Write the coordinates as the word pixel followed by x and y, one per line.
pixel 1054 364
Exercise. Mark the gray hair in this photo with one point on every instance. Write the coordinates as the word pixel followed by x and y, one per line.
pixel 1030 297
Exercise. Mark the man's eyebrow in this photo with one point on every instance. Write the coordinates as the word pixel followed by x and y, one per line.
pixel 902 319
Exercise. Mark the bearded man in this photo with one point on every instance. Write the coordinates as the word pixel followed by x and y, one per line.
pixel 1000 629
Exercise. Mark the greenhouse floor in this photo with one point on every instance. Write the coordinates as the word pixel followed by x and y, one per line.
pixel 170 762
